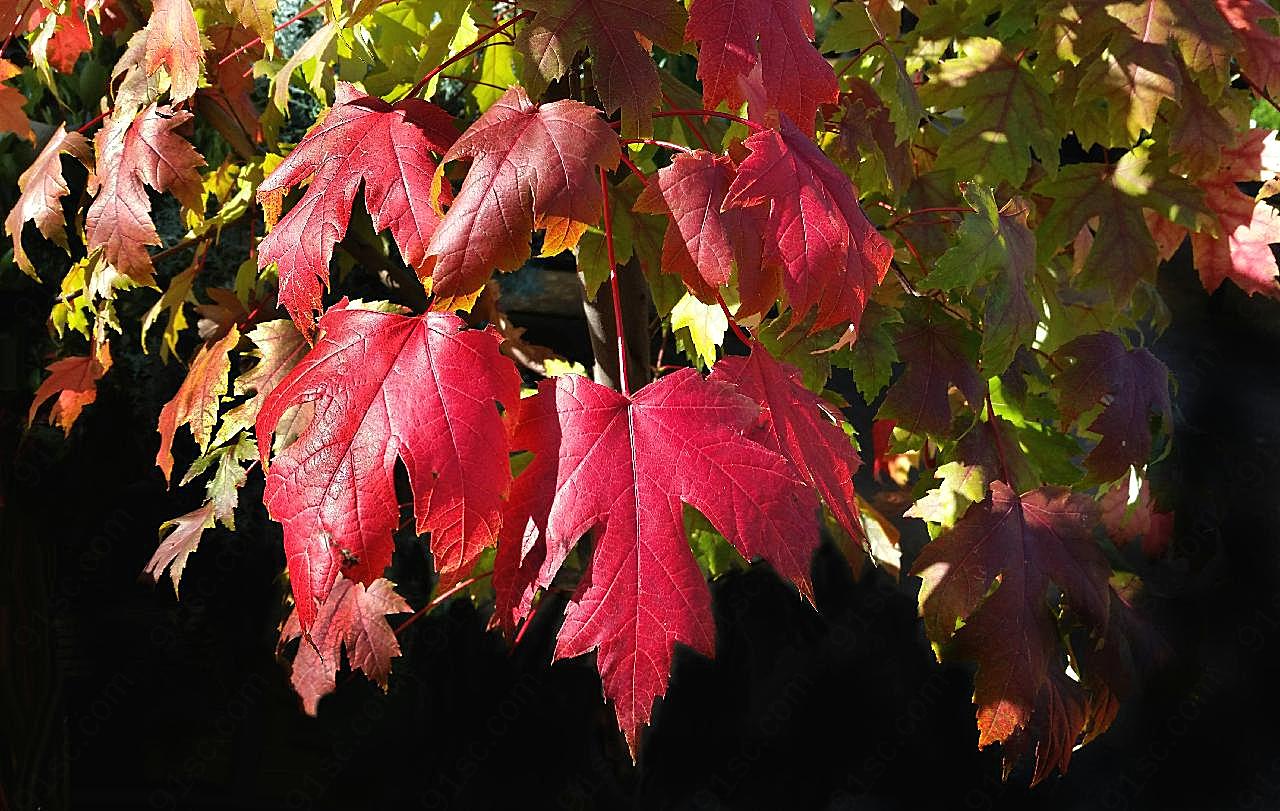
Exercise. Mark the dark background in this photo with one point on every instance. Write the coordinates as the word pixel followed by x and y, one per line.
pixel 117 695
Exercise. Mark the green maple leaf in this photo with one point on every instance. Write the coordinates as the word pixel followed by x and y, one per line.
pixel 1130 56
pixel 1006 113
pixel 959 486
pixel 1135 70
pixel 893 84
pixel 229 475
pixel 1199 130
pixel 871 358
pixel 858 25
pixel 1073 31
pixel 981 247
pixel 497 70
pixel 810 353
pixel 715 555
pixel 996 249
pixel 1123 251
pixel 692 130
pixel 412 38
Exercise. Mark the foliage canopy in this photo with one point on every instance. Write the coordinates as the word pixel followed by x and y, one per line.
pixel 963 203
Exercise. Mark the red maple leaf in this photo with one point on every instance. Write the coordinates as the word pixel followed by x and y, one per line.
pixel 802 427
pixel 938 352
pixel 705 243
pixel 986 588
pixel 736 36
pixel 1132 385
pixel 618 33
pixel 1247 227
pixel 12 117
pixel 1113 666
pixel 227 103
pixel 70 37
pixel 527 559
pixel 362 139
pixel 177 546
pixel 75 382
pixel 149 151
pixel 1131 516
pixel 882 459
pixel 173 42
pixel 535 166
pixel 1259 53
pixel 385 386
pixel 831 255
pixel 12 15
pixel 354 617
pixel 41 189
pixel 621 467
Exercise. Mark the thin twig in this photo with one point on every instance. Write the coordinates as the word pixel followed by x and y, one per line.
pixel 1261 91
pixel 258 40
pixel 995 432
pixel 181 246
pixel 733 322
pixel 464 53
pixel 751 125
pixel 467 80
pixel 427 609
pixel 523 628
pixel 1052 360
pixel 896 221
pixel 655 142
pixel 911 248
pixel 688 122
pixel 907 286
pixel 16 25
pixel 635 170
pixel 86 125
pixel 613 287
pixel 853 60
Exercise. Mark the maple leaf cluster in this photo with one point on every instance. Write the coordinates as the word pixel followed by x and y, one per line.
pixel 1020 171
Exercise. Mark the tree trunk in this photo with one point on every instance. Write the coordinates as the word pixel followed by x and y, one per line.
pixel 635 325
